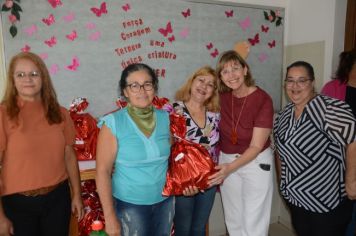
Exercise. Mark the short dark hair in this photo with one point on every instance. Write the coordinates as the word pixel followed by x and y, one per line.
pixel 305 65
pixel 347 60
pixel 133 68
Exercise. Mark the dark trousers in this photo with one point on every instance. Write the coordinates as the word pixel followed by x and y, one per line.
pixel 42 215
pixel 333 223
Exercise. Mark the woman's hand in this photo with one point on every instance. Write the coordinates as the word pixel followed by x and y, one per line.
pixel 6 228
pixel 112 226
pixel 77 207
pixel 190 191
pixel 223 170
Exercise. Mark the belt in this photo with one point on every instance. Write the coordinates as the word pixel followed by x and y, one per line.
pixel 41 191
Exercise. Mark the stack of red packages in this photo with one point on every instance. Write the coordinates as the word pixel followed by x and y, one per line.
pixel 86 130
pixel 189 163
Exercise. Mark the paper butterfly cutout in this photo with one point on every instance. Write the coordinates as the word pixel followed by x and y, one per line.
pixel 126 7
pixel 72 35
pixel 272 44
pixel 262 57
pixel 75 64
pixel 26 48
pixel 49 20
pixel 31 30
pixel 264 28
pixel 69 18
pixel 245 23
pixel 53 69
pixel 184 32
pixel 171 39
pixel 44 56
pixel 90 25
pixel 254 40
pixel 95 36
pixel 167 30
pixel 51 42
pixel 209 46
pixel 229 13
pixel 214 53
pixel 101 10
pixel 186 13
pixel 55 3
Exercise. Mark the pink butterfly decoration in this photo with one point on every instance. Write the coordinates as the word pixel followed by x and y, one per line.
pixel 186 13
pixel 167 30
pixel 262 57
pixel 171 39
pixel 75 64
pixel 26 48
pixel 51 42
pixel 53 69
pixel 99 11
pixel 49 20
pixel 253 41
pixel 31 30
pixel 264 28
pixel 272 44
pixel 72 35
pixel 44 56
pixel 215 53
pixel 55 3
pixel 126 7
pixel 90 25
pixel 95 36
pixel 184 32
pixel 209 46
pixel 69 17
pixel 245 23
pixel 229 13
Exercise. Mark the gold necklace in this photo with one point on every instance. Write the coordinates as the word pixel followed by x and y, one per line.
pixel 234 125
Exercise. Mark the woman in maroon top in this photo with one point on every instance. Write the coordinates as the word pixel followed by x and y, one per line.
pixel 245 166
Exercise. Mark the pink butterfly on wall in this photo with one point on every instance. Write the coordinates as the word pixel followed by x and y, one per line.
pixel 184 32
pixel 55 3
pixel 72 35
pixel 53 69
pixel 99 11
pixel 215 53
pixel 95 36
pixel 262 57
pixel 264 28
pixel 75 64
pixel 171 39
pixel 90 25
pixel 126 7
pixel 167 30
pixel 209 46
pixel 69 18
pixel 49 20
pixel 31 30
pixel 51 42
pixel 245 23
pixel 256 39
pixel 26 48
pixel 272 44
pixel 44 56
pixel 229 13
pixel 186 13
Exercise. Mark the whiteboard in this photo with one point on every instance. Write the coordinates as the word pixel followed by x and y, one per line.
pixel 87 43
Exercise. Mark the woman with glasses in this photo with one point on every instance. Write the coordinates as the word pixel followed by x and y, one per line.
pixel 197 101
pixel 246 158
pixel 132 160
pixel 36 154
pixel 315 139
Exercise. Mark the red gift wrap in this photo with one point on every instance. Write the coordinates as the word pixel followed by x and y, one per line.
pixel 190 163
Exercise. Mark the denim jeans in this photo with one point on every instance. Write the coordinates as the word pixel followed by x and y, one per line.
pixel 192 213
pixel 145 220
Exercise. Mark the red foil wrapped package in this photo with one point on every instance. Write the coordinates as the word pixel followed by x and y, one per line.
pixel 189 163
pixel 86 130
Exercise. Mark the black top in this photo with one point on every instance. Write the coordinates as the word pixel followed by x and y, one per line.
pixel 350 98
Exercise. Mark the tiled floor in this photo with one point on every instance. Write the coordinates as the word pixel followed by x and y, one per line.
pixel 277 229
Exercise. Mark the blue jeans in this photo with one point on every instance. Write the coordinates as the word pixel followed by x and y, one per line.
pixel 145 220
pixel 352 225
pixel 192 213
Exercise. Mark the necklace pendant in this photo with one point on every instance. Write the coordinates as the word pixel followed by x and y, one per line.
pixel 234 137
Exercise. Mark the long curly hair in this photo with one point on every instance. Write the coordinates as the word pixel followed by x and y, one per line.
pixel 48 94
pixel 347 60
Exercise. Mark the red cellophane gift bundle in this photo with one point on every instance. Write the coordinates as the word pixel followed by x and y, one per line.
pixel 189 163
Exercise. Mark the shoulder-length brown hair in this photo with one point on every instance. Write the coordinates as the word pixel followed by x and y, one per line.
pixel 183 94
pixel 48 94
pixel 232 56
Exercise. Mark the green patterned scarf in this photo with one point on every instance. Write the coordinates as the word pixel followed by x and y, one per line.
pixel 143 117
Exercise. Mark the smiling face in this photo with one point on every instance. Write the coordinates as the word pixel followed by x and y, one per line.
pixel 143 97
pixel 299 86
pixel 202 88
pixel 27 80
pixel 233 75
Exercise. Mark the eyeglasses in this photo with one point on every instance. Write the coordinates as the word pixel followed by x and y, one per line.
pixel 136 87
pixel 299 82
pixel 31 75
